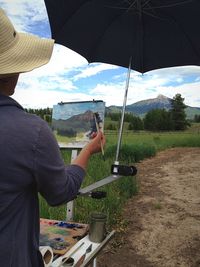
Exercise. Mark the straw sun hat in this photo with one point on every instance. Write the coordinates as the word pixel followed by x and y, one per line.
pixel 20 52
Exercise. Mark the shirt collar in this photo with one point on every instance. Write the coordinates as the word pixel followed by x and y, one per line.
pixel 8 101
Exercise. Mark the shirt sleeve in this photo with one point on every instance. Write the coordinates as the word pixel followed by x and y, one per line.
pixel 56 182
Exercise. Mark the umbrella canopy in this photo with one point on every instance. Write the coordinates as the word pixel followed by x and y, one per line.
pixel 142 35
pixel 152 33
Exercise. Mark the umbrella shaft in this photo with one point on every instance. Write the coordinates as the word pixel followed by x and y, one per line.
pixel 123 111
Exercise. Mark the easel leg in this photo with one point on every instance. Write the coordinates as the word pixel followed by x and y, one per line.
pixel 70 211
pixel 70 205
pixel 94 264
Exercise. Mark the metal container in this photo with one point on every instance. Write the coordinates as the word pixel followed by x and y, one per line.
pixel 97 228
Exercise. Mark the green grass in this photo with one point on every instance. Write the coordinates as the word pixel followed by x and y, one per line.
pixel 117 193
pixel 159 140
pixel 66 139
pixel 135 147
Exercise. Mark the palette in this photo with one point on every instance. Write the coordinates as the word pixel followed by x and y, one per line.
pixel 61 235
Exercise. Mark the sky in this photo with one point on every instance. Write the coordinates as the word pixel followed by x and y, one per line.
pixel 67 111
pixel 69 78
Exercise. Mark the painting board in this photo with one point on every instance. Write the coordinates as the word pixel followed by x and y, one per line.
pixel 73 123
pixel 61 236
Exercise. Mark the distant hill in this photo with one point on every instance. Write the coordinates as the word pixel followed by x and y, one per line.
pixel 140 108
pixel 80 122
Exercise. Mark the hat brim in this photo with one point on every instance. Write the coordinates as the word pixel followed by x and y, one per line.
pixel 28 53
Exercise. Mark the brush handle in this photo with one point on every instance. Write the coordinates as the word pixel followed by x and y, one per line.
pixel 80 261
pixel 82 258
pixel 97 126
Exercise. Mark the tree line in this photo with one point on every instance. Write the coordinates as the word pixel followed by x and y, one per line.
pixel 197 118
pixel 43 113
pixel 157 119
pixel 154 120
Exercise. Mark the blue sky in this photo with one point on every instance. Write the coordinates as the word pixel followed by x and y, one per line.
pixel 68 110
pixel 68 77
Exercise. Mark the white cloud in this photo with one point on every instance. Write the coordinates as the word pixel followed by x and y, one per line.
pixel 176 71
pixel 150 86
pixel 44 98
pixel 112 94
pixel 189 91
pixel 94 69
pixel 58 80
pixel 63 61
pixel 51 77
pixel 23 13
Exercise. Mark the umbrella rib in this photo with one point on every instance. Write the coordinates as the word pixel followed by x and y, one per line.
pixel 100 38
pixel 132 5
pixel 170 18
pixel 139 11
pixel 121 7
pixel 134 18
pixel 174 4
pixel 145 3
pixel 129 2
pixel 150 7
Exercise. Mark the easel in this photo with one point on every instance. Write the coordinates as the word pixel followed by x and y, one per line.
pixel 79 249
pixel 118 171
pixel 87 191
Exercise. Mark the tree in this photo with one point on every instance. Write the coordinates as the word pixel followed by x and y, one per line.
pixel 158 120
pixel 115 116
pixel 197 118
pixel 110 126
pixel 45 114
pixel 136 123
pixel 178 113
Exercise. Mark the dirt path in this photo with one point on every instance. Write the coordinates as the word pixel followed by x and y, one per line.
pixel 164 218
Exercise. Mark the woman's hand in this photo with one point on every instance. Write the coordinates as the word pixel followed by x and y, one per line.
pixel 96 144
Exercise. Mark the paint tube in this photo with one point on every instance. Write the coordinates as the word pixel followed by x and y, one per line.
pixel 47 255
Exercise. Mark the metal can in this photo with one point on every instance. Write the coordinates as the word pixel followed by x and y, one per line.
pixel 97 228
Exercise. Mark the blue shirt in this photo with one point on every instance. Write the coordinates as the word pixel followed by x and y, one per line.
pixel 30 162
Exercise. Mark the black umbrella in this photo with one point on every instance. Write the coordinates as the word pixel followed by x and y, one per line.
pixel 140 34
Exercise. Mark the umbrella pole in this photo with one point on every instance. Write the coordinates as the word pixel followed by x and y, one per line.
pixel 123 112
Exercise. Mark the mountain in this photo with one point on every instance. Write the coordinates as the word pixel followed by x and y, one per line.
pixel 80 122
pixel 140 108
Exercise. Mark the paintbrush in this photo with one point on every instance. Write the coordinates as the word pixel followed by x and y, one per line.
pixel 97 126
pixel 82 258
pixel 69 256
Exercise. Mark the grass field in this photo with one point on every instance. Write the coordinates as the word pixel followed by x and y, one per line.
pixel 135 147
pixel 66 139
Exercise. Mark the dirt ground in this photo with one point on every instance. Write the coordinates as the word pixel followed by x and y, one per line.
pixel 164 218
